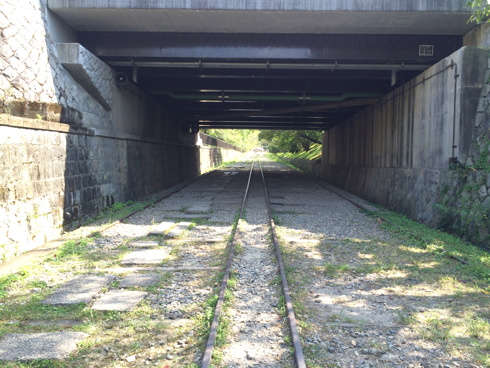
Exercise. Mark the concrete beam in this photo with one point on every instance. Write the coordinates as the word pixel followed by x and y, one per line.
pixel 317 47
pixel 279 5
pixel 87 70
pixel 267 16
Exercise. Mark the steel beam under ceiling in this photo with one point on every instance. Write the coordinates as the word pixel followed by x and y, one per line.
pixel 246 47
pixel 267 81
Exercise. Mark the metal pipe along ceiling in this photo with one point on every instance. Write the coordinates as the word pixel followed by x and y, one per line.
pixel 266 65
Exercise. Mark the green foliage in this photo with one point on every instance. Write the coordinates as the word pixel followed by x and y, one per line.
pixel 74 248
pixel 5 282
pixel 6 99
pixel 315 152
pixel 481 10
pixel 475 262
pixel 334 270
pixel 118 206
pixel 482 162
pixel 463 207
pixel 478 328
pixel 119 210
pixel 290 140
pixel 244 139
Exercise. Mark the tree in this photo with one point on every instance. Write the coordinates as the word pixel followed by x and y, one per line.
pixel 290 140
pixel 245 139
pixel 481 10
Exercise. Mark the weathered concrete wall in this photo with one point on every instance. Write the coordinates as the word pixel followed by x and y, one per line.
pixel 463 206
pixel 213 152
pixel 397 152
pixel 71 141
pixel 478 36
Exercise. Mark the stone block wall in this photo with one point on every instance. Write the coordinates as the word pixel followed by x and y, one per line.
pixel 33 82
pixel 31 188
pixel 71 141
pixel 54 177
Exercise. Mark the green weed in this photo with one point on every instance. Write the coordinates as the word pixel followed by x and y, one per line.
pixel 334 270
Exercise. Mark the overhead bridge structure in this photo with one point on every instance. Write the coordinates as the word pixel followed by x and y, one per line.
pixel 101 101
pixel 273 64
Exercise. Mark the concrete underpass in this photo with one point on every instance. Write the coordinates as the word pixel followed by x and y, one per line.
pixel 102 102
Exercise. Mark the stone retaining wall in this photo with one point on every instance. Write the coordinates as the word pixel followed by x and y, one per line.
pixel 33 81
pixel 72 142
pixel 53 177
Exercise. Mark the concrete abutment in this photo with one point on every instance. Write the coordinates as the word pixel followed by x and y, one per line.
pixel 73 142
pixel 398 153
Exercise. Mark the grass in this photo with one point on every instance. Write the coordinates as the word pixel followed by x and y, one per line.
pixel 442 284
pixel 313 153
pixel 112 335
pixel 474 262
pixel 435 328
pixel 333 270
pixel 118 211
pixel 478 327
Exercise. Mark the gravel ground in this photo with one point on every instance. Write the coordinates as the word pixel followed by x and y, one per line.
pixel 347 320
pixel 259 331
pixel 351 319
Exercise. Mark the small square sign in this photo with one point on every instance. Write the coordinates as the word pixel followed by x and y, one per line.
pixel 426 50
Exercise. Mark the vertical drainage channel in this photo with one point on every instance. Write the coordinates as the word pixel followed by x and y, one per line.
pixel 456 76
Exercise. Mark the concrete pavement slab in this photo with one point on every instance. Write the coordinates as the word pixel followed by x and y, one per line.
pixel 144 244
pixel 188 216
pixel 200 209
pixel 139 280
pixel 52 345
pixel 119 300
pixel 80 289
pixel 178 230
pixel 161 228
pixel 146 256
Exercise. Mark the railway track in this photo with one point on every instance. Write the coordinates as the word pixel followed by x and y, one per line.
pixel 261 322
pixel 253 311
pixel 257 266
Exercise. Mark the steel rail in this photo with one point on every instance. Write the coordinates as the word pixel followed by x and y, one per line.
pixel 298 350
pixel 208 352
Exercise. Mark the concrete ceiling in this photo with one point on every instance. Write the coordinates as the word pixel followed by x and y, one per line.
pixel 267 64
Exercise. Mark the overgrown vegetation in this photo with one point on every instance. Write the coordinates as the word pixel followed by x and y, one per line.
pixel 121 209
pixel 481 10
pixel 463 205
pixel 290 141
pixel 471 261
pixel 245 139
pixel 314 153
